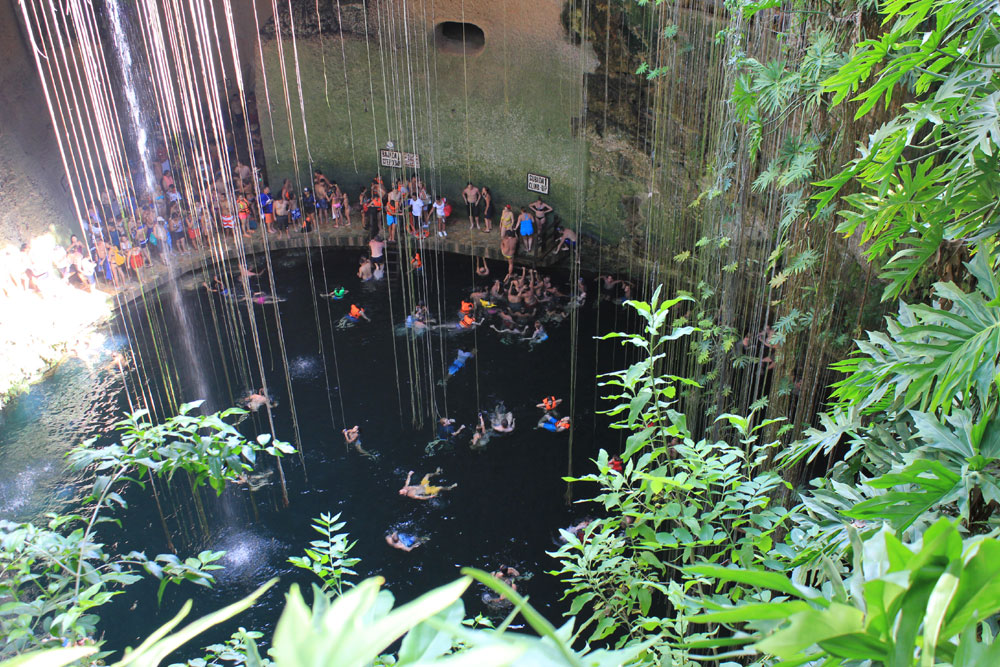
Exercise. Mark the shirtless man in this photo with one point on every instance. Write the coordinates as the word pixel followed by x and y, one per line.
pixel 365 270
pixel 377 247
pixel 471 196
pixel 352 438
pixel 508 248
pixel 424 490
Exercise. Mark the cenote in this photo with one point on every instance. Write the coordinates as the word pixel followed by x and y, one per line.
pixel 755 406
pixel 507 508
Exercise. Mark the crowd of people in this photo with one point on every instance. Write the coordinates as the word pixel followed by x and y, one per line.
pixel 123 238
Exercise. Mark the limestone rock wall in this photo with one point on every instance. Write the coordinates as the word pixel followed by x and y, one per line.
pixel 34 197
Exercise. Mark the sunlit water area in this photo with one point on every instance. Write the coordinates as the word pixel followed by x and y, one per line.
pixel 510 499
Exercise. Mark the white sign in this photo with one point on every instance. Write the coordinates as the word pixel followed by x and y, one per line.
pixel 390 158
pixel 398 159
pixel 538 183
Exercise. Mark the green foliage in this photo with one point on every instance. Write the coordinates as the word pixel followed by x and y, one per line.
pixel 205 446
pixel 678 500
pixel 900 605
pixel 327 558
pixel 54 578
pixel 928 175
pixel 932 357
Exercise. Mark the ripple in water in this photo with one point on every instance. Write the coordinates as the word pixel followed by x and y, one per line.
pixel 305 368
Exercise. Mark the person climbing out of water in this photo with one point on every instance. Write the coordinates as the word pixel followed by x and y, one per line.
pixel 424 490
pixel 403 541
pixel 337 293
pixel 416 264
pixel 502 419
pixel 256 401
pixel 352 438
pixel 482 269
pixel 549 404
pixel 550 423
pixel 446 429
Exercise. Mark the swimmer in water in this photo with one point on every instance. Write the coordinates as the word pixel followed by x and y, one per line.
pixel 365 269
pixel 263 299
pixel 481 436
pixel 255 402
pixel 550 423
pixel 337 293
pixel 446 429
pixel 352 438
pixel 537 336
pixel 549 404
pixel 502 419
pixel 459 363
pixel 352 317
pixel 402 541
pixel 424 490
pixel 482 269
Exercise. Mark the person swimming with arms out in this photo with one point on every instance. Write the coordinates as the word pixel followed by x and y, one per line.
pixel 424 490
pixel 352 438
pixel 549 404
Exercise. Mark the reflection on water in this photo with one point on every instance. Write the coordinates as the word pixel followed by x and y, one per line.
pixel 79 399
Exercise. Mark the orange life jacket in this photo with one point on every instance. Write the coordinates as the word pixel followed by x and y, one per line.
pixel 467 306
pixel 390 207
pixel 549 402
pixel 356 312
pixel 467 322
pixel 416 262
pixel 376 202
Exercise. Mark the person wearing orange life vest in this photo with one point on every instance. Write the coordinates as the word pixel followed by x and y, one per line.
pixel 549 404
pixel 467 307
pixel 356 313
pixel 550 423
pixel 416 263
pixel 468 322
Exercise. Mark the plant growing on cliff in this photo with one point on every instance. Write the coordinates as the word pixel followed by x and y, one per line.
pixel 927 178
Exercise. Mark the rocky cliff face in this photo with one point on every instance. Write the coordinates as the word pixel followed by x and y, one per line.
pixel 34 197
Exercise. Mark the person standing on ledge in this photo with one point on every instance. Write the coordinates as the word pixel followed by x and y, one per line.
pixel 471 196
pixel 540 209
pixel 525 228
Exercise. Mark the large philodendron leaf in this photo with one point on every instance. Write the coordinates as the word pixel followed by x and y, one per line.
pixel 913 491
